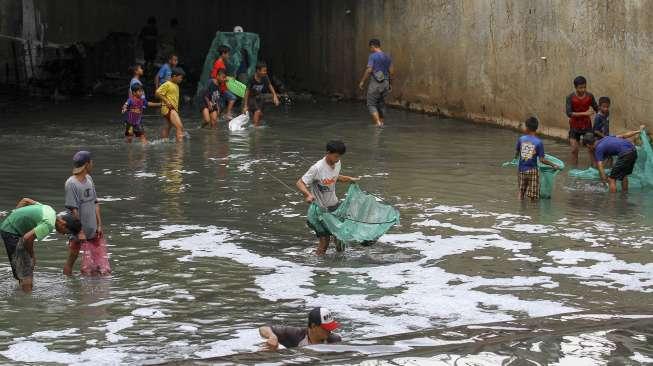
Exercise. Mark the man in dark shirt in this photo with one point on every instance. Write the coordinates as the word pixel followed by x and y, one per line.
pixel 253 100
pixel 320 325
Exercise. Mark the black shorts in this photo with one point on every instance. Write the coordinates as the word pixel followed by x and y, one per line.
pixel 20 260
pixel 134 130
pixel 624 165
pixel 255 104
pixel 577 134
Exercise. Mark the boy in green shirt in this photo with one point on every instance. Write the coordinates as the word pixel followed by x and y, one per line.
pixel 28 222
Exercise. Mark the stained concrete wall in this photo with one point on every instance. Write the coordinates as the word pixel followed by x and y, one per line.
pixel 476 59
pixel 482 59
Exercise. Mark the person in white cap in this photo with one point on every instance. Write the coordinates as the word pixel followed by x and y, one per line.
pixel 321 324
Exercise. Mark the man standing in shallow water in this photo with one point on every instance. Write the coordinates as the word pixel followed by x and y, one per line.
pixel 379 71
pixel 320 325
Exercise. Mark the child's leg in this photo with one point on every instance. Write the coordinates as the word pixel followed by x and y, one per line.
pixel 612 183
pixel 165 133
pixel 214 118
pixel 574 150
pixel 624 184
pixel 323 245
pixel 520 186
pixel 143 139
pixel 230 106
pixel 206 116
pixel 258 116
pixel 175 120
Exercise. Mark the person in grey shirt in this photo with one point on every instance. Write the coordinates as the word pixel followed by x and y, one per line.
pixel 321 324
pixel 81 200
pixel 319 185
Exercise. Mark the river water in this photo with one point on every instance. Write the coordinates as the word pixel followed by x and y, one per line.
pixel 208 243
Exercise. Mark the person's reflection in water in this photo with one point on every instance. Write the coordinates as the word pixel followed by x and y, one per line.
pixel 173 182
pixel 93 291
pixel 216 152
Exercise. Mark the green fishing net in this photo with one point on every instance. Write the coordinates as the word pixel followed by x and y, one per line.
pixel 642 177
pixel 360 218
pixel 242 57
pixel 547 173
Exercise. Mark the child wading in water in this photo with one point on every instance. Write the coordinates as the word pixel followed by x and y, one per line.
pixel 134 107
pixel 213 100
pixel 319 185
pixel 529 149
pixel 579 106
pixel 253 101
pixel 168 93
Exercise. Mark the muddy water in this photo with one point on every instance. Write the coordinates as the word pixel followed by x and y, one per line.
pixel 207 241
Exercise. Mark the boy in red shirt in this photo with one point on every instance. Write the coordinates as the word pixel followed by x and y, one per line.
pixel 221 64
pixel 580 106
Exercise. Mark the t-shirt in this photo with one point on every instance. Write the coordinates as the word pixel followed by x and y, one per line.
pixel 602 124
pixel 165 73
pixel 611 146
pixel 321 179
pixel 170 91
pixel 133 82
pixel 82 196
pixel 577 104
pixel 135 107
pixel 529 148
pixel 257 87
pixel 39 217
pixel 217 66
pixel 212 93
pixel 379 61
pixel 291 337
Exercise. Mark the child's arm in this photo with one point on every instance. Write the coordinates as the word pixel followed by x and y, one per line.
pixel 548 162
pixel 366 75
pixel 275 97
pixel 153 104
pixel 125 106
pixel 345 179
pixel 245 100
pixel 604 177
pixel 164 100
pixel 630 134
pixel 594 105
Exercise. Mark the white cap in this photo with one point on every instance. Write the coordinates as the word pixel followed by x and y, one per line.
pixel 238 29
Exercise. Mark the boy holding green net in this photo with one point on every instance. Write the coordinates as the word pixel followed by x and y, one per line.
pixel 528 150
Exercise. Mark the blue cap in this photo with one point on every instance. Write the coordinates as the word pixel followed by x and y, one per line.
pixel 80 159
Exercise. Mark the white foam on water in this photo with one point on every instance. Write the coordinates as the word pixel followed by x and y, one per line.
pixel 151 313
pixel 116 326
pixel 496 327
pixel 186 171
pixel 144 175
pixel 114 199
pixel 480 359
pixel 607 272
pixel 524 228
pixel 56 333
pixel 187 328
pixel 638 357
pixel 436 223
pixel 36 352
pixel 586 349
pixel 169 229
pixel 245 340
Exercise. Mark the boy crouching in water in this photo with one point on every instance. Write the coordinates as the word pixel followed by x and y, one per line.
pixel 529 149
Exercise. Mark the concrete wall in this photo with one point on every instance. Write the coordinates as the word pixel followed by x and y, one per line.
pixel 476 59
pixel 482 59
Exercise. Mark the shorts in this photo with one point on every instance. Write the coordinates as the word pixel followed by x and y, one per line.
pixel 577 134
pixel 255 104
pixel 21 262
pixel 134 130
pixel 376 94
pixel 529 183
pixel 228 96
pixel 624 165
pixel 214 107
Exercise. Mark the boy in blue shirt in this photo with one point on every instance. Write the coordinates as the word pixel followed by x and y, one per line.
pixel 601 126
pixel 617 146
pixel 165 72
pixel 529 149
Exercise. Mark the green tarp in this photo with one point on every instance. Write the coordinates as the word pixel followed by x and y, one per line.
pixel 642 177
pixel 242 44
pixel 547 173
pixel 360 218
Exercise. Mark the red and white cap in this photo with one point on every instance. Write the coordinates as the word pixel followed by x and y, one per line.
pixel 324 318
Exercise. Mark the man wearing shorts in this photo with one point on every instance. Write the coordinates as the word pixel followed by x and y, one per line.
pixel 321 324
pixel 28 222
pixel 579 107
pixel 617 146
pixel 379 71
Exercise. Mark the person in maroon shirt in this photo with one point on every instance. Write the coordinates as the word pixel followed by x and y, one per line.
pixel 579 106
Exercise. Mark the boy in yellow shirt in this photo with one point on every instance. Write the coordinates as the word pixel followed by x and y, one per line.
pixel 168 93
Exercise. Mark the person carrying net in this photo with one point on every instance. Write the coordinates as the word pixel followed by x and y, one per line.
pixel 319 187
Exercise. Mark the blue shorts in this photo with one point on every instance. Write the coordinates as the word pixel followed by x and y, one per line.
pixel 228 96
